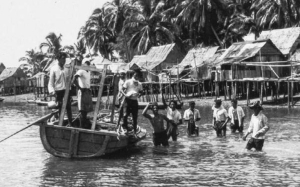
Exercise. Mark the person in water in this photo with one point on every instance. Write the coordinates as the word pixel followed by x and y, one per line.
pixel 157 121
pixel 237 115
pixel 191 116
pixel 175 119
pixel 258 127
pixel 220 118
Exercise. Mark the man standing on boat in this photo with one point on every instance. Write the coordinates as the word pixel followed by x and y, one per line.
pixel 258 127
pixel 195 114
pixel 157 121
pixel 121 96
pixel 82 80
pixel 220 118
pixel 57 83
pixel 132 89
pixel 237 115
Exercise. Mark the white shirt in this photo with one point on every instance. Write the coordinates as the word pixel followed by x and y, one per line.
pixel 57 79
pixel 258 124
pixel 173 115
pixel 120 86
pixel 196 114
pixel 220 114
pixel 84 79
pixel 239 112
pixel 133 86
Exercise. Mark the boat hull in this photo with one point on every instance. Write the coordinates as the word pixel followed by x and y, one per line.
pixel 69 142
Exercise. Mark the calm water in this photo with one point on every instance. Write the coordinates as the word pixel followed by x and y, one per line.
pixel 198 161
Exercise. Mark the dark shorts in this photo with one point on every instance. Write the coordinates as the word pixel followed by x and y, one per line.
pixel 192 129
pixel 218 127
pixel 255 143
pixel 160 138
pixel 235 126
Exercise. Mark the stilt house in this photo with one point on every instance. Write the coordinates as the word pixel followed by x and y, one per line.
pixel 157 59
pixel 13 81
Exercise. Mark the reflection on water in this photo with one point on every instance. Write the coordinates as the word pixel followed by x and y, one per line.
pixel 197 161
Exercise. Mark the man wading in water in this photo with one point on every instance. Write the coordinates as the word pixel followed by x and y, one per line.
pixel 258 127
pixel 237 115
pixel 157 121
pixel 220 118
pixel 191 116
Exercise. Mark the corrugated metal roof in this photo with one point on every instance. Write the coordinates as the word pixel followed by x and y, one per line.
pixel 240 51
pixel 295 56
pixel 198 56
pixel 7 72
pixel 284 39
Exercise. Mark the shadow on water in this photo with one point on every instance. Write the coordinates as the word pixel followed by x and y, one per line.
pixel 191 161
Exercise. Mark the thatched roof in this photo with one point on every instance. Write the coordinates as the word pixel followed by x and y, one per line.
pixel 295 56
pixel 286 40
pixel 11 72
pixel 198 56
pixel 137 62
pixel 240 51
pixel 165 54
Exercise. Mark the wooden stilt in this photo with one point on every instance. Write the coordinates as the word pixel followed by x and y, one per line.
pixel 292 93
pixel 248 90
pixel 225 92
pixel 272 92
pixel 115 94
pixel 277 90
pixel 261 92
pixel 288 94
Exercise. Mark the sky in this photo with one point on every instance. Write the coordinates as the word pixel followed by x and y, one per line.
pixel 25 24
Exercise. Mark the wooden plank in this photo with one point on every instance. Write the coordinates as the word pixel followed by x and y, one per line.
pixel 104 145
pixel 89 68
pixel 71 143
pixel 115 94
pixel 76 142
pixel 68 85
pixel 99 97
pixel 59 143
pixel 89 147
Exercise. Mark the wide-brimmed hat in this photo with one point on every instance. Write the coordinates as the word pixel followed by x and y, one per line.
pixel 255 104
pixel 218 100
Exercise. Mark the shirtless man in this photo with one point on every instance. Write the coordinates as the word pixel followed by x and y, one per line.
pixel 157 121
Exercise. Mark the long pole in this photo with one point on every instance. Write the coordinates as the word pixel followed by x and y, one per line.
pixel 33 123
pixel 197 73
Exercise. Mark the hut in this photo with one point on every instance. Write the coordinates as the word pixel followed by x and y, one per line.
pixel 2 67
pixel 157 59
pixel 286 40
pixel 13 81
pixel 39 83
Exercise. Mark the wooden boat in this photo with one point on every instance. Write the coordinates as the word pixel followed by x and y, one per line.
pixel 42 103
pixel 31 101
pixel 72 142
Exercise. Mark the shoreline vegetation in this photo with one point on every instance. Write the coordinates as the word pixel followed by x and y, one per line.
pixel 206 101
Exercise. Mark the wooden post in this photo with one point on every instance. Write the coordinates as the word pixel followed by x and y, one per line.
pixel 225 92
pixel 277 90
pixel 272 92
pixel 99 97
pixel 292 92
pixel 248 91
pixel 261 92
pixel 289 94
pixel 68 86
pixel 235 89
pixel 116 84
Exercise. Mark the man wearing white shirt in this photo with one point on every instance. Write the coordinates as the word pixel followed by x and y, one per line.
pixel 237 115
pixel 57 83
pixel 82 80
pixel 175 119
pixel 191 116
pixel 132 89
pixel 258 127
pixel 220 118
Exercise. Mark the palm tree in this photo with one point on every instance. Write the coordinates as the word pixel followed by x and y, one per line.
pixel 97 35
pixel 34 60
pixel 276 13
pixel 148 29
